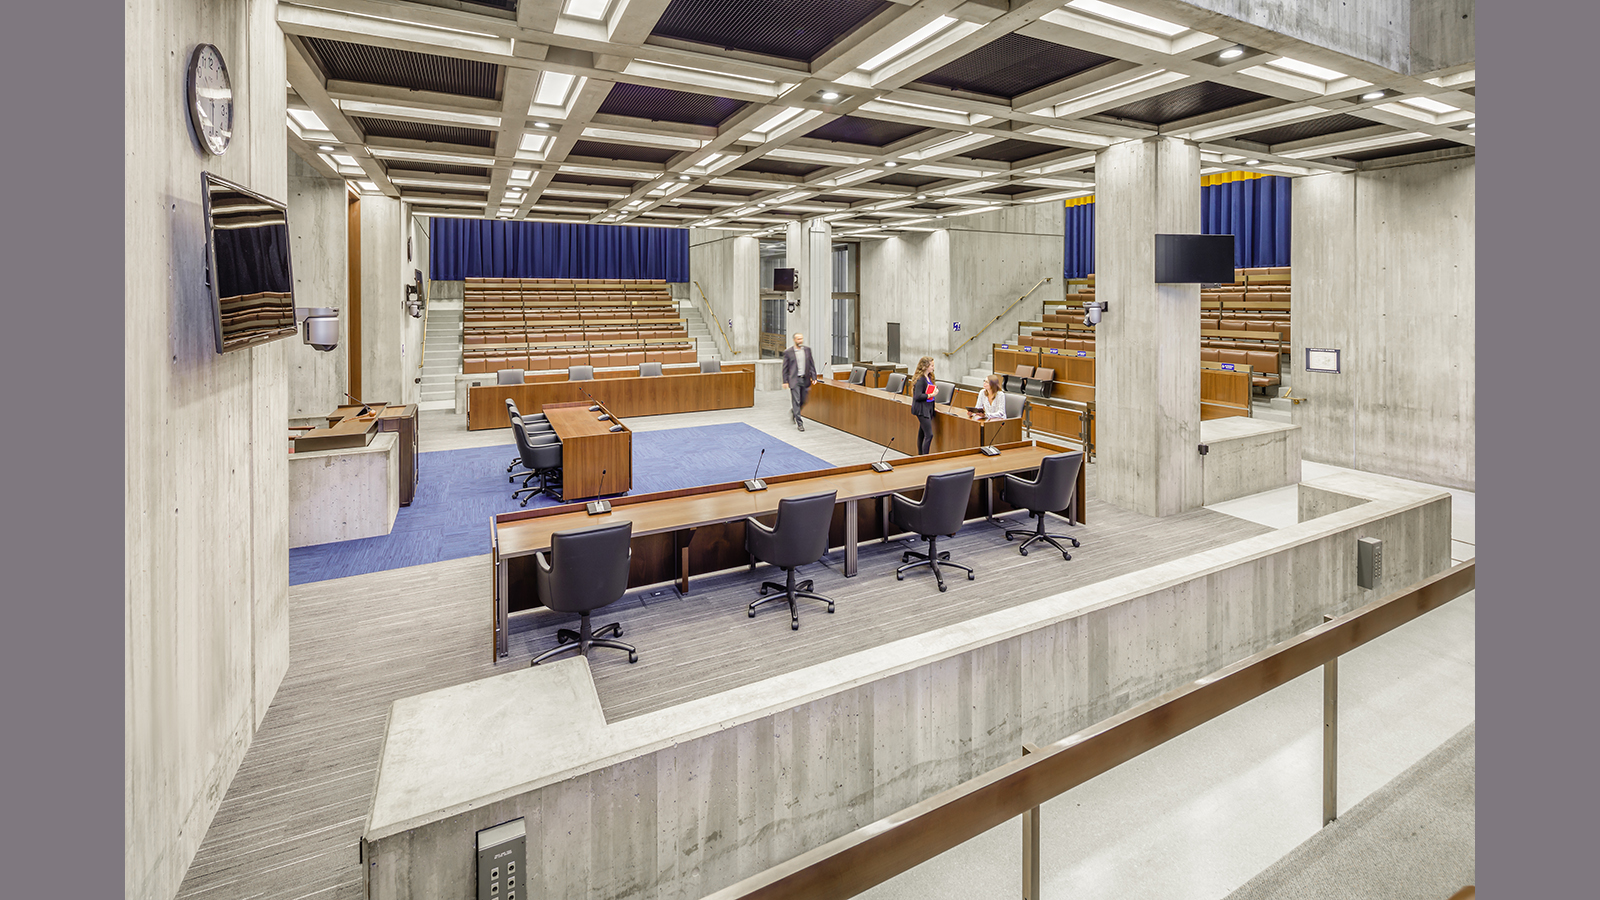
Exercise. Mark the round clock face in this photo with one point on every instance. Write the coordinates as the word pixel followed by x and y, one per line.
pixel 210 98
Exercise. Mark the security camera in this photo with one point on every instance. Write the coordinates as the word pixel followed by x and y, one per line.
pixel 319 327
pixel 1092 312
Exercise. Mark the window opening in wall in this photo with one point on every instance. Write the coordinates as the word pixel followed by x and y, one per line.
pixel 846 302
pixel 774 317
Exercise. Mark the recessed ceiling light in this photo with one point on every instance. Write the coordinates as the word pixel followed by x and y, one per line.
pixel 1252 162
pixel 541 124
pixel 1429 104
pixel 329 148
pixel 890 164
pixel 1232 53
pixel 1304 68
pixel 1372 95
pixel 916 38
pixel 830 95
pixel 1473 125
pixel 1129 17
pixel 922 196
pixel 683 178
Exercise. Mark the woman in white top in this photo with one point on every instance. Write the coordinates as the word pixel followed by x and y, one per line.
pixel 992 399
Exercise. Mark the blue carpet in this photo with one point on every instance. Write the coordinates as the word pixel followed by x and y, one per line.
pixel 459 492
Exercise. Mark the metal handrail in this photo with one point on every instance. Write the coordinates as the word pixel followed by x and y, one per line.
pixel 714 320
pixel 901 841
pixel 995 319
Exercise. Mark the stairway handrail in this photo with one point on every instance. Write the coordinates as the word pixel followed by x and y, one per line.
pixel 706 301
pixel 997 318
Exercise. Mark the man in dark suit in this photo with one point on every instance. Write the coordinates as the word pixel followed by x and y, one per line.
pixel 799 371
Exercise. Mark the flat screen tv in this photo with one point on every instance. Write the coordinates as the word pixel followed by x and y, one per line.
pixel 784 280
pixel 247 265
pixel 1194 258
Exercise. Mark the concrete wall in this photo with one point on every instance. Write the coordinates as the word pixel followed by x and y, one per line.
pixel 994 259
pixel 206 448
pixel 1443 35
pixel 726 265
pixel 318 225
pixel 1384 270
pixel 906 279
pixel 1377 31
pixel 391 340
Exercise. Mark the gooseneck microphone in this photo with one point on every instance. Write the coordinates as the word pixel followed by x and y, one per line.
pixel 594 405
pixel 880 465
pixel 756 484
pixel 599 507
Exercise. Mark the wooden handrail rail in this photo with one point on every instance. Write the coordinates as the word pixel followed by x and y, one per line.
pixel 996 318
pixel 901 841
pixel 714 320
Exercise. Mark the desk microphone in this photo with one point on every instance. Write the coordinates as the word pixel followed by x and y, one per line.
pixel 594 404
pixel 880 465
pixel 756 484
pixel 364 408
pixel 599 507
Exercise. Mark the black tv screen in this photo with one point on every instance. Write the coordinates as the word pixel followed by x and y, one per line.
pixel 783 280
pixel 1194 258
pixel 247 251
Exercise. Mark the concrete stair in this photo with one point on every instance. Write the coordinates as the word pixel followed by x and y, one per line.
pixel 441 357
pixel 708 345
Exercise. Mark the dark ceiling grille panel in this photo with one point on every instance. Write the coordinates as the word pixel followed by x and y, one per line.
pixel 1194 100
pixel 497 4
pixel 405 69
pixel 1013 189
pixel 595 180
pixel 909 179
pixel 1012 65
pixel 717 189
pixel 663 105
pixel 417 131
pixel 1010 150
pixel 1400 150
pixel 1299 131
pixel 780 167
pixel 410 166
pixel 870 132
pixel 789 29
pixel 623 151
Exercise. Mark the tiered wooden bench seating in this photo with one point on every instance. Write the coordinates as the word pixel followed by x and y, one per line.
pixel 551 324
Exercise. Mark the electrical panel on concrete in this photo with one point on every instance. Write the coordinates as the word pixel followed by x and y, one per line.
pixel 1369 562
pixel 503 861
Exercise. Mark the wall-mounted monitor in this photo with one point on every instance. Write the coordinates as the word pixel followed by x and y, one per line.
pixel 784 280
pixel 1194 258
pixel 247 265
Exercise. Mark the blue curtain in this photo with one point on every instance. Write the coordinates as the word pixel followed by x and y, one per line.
pixel 1080 240
pixel 1256 213
pixel 490 248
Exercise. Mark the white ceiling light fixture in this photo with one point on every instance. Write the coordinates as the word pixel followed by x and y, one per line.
pixel 1231 53
pixel 541 124
pixel 327 148
pixel 553 88
pixel 1472 125
pixel 1129 17
pixel 1353 145
pixel 683 178
pixel 1304 68
pixel 1428 104
pixel 1252 162
pixel 830 95
pixel 460 159
pixel 307 119
pixel 890 164
pixel 534 143
pixel 1373 95
pixel 522 175
pixel 344 160
pixel 782 116
pixel 910 41
pixel 593 10
pixel 367 187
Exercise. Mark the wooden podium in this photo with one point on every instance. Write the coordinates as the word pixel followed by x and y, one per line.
pixel 589 448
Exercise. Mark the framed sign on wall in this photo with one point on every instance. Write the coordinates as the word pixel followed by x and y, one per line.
pixel 1322 360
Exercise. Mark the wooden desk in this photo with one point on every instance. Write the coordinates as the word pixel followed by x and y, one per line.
pixel 700 530
pixel 625 397
pixel 591 451
pixel 881 417
pixel 347 429
pixel 401 420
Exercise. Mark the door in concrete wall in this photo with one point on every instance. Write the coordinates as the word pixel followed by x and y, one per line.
pixel 774 313
pixel 846 302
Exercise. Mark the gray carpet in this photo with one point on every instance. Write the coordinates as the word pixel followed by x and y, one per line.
pixel 1413 838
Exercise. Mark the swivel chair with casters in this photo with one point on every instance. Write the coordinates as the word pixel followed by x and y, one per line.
pixel 1014 405
pixel 709 366
pixel 649 369
pixel 943 391
pixel 940 512
pixel 897 383
pixel 533 423
pixel 1052 490
pixel 858 375
pixel 583 571
pixel 510 376
pixel 798 537
pixel 543 461
pixel 580 373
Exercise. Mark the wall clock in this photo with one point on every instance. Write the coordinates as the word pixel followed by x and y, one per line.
pixel 210 98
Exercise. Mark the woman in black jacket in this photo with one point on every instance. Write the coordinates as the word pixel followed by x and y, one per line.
pixel 922 392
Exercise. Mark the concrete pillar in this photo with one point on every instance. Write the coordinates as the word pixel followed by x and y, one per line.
pixel 810 248
pixel 1147 348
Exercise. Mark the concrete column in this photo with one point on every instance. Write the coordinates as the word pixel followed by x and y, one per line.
pixel 317 228
pixel 727 268
pixel 1147 348
pixel 810 248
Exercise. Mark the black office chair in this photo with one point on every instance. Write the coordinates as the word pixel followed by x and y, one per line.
pixel 897 383
pixel 797 538
pixel 583 571
pixel 709 366
pixel 510 376
pixel 649 369
pixel 941 511
pixel 943 391
pixel 858 375
pixel 535 423
pixel 580 373
pixel 1052 490
pixel 542 458
pixel 1015 403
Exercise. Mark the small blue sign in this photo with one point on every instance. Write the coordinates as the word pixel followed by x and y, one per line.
pixel 1083 353
pixel 1054 352
pixel 1005 346
pixel 1027 349
pixel 955 326
pixel 1228 367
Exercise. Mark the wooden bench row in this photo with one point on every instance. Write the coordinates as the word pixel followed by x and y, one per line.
pixel 575 336
pixel 560 359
